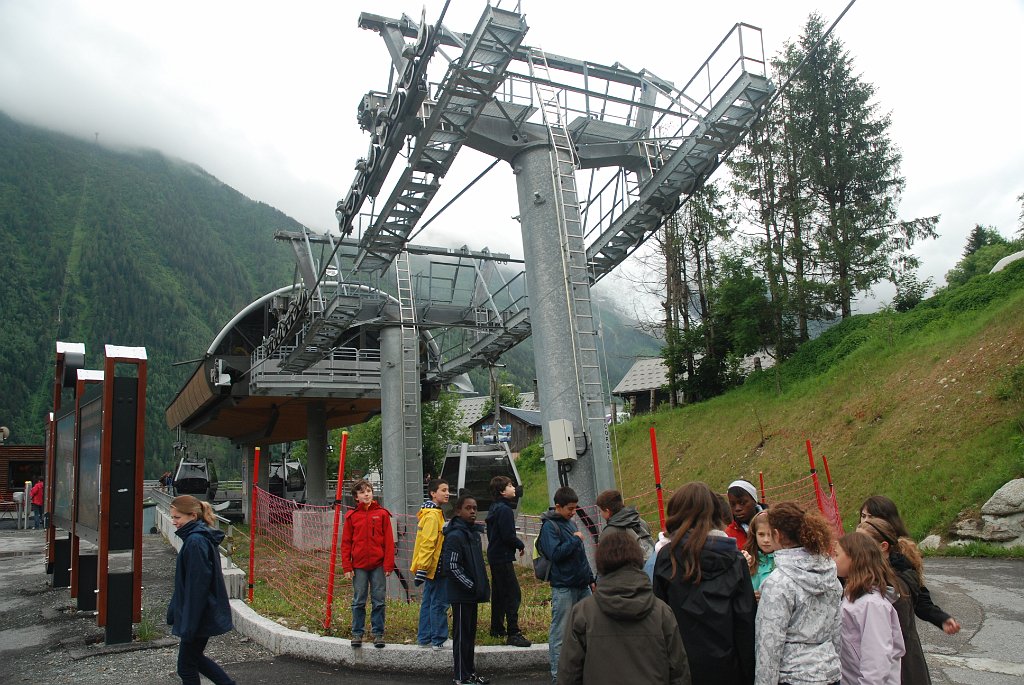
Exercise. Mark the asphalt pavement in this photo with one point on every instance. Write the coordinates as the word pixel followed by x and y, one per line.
pixel 42 640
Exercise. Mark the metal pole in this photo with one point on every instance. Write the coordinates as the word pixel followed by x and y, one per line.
pixel 252 522
pixel 334 534
pixel 657 480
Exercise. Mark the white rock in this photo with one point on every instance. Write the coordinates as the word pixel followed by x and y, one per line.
pixel 930 542
pixel 1007 500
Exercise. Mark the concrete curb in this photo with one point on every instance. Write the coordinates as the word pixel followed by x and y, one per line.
pixel 334 650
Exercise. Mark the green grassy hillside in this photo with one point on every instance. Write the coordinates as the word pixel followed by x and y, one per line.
pixel 926 407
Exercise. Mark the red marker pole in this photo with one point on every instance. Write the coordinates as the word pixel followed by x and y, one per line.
pixel 819 496
pixel 334 534
pixel 657 479
pixel 760 476
pixel 252 521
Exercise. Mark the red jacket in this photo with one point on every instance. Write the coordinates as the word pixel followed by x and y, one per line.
pixel 37 493
pixel 736 532
pixel 367 540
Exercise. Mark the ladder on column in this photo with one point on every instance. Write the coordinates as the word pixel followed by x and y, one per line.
pixel 411 425
pixel 574 257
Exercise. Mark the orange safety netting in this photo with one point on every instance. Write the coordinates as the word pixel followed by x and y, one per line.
pixel 292 555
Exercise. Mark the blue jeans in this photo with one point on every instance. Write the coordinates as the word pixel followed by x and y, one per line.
pixel 374 580
pixel 433 628
pixel 562 601
pixel 37 515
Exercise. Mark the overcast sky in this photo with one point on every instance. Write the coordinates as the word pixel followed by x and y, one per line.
pixel 263 95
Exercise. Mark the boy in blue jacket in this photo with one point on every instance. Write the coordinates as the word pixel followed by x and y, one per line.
pixel 502 545
pixel 570 577
pixel 463 560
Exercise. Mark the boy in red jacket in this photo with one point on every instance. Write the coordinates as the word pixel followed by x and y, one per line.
pixel 367 557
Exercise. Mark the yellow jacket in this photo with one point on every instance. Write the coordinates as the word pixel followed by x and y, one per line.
pixel 427 552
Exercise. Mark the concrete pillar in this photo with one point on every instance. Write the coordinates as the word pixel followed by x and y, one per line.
pixel 316 453
pixel 392 436
pixel 555 355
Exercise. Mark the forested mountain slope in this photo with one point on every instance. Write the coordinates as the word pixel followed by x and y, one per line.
pixel 121 247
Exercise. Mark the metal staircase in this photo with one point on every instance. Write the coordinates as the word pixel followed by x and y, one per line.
pixel 680 171
pixel 467 87
pixel 574 256
pixel 410 365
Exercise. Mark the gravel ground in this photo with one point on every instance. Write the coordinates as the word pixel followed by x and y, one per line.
pixel 43 639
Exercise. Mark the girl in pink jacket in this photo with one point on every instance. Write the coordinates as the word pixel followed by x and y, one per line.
pixel 872 641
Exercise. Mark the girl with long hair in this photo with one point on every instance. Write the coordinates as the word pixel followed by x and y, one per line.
pixel 904 558
pixel 872 641
pixel 704 579
pixel 797 626
pixel 199 607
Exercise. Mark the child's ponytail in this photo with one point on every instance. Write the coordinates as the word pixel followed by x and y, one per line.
pixel 805 528
pixel 187 504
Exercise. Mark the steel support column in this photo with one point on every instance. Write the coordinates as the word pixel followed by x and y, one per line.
pixel 392 437
pixel 556 350
pixel 316 453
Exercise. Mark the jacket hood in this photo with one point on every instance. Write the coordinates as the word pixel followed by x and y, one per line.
pixel 815 574
pixel 717 557
pixel 626 517
pixel 200 528
pixel 552 515
pixel 374 504
pixel 456 524
pixel 429 508
pixel 625 594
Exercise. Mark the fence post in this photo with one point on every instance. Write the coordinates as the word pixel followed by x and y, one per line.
pixel 819 496
pixel 334 534
pixel 832 491
pixel 253 518
pixel 657 480
pixel 760 476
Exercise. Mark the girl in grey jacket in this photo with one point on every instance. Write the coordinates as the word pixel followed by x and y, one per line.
pixel 797 624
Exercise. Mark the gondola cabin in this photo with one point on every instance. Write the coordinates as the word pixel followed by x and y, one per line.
pixel 197 477
pixel 288 481
pixel 470 468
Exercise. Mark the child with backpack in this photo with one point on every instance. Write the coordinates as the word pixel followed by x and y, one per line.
pixel 618 516
pixel 367 558
pixel 872 641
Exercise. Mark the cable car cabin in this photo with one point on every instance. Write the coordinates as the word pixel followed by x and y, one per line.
pixel 196 477
pixel 470 468
pixel 288 481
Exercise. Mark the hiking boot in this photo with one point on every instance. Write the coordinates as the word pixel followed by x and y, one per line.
pixel 378 641
pixel 357 641
pixel 518 640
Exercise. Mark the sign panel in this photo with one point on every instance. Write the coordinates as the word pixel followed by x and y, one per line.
pixel 64 471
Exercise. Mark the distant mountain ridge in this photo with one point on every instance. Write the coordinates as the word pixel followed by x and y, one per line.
pixel 128 248
pixel 135 248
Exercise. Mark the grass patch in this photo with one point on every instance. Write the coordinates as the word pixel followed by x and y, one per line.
pixel 402 618
pixel 146 630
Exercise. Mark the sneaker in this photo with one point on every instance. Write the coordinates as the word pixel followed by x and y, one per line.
pixel 426 646
pixel 518 640
pixel 477 679
pixel 447 644
pixel 378 641
pixel 357 641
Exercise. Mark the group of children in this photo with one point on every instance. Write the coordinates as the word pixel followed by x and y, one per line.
pixel 447 563
pixel 755 593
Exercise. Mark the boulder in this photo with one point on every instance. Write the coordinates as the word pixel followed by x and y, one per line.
pixel 930 542
pixel 1007 500
pixel 986 531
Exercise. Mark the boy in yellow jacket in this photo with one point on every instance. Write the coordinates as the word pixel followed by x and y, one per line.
pixel 426 557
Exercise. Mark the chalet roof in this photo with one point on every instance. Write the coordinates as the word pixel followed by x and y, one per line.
pixel 473 407
pixel 647 373
pixel 527 416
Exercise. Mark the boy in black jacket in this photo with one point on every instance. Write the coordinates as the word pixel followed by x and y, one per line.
pixel 502 545
pixel 462 558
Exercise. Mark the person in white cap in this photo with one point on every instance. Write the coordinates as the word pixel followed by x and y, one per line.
pixel 743 503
